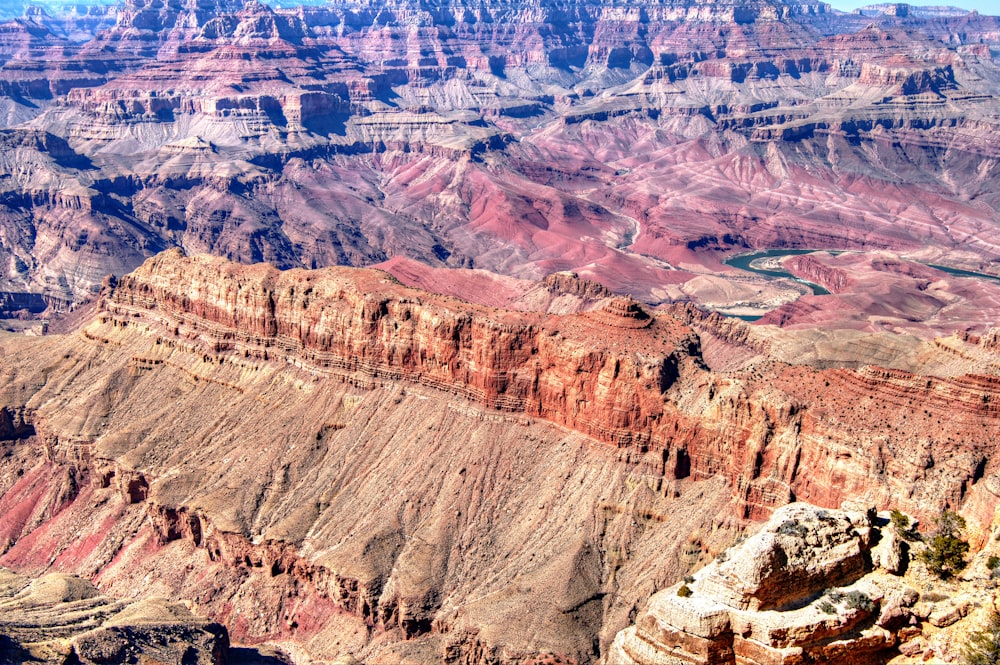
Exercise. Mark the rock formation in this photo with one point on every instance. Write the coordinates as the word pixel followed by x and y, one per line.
pixel 521 139
pixel 60 618
pixel 341 462
pixel 343 465
pixel 608 373
pixel 860 595
pixel 802 590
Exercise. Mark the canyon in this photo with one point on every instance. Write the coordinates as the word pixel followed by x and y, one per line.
pixel 333 464
pixel 638 145
pixel 397 332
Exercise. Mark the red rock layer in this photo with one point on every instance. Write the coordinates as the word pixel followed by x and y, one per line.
pixel 585 371
pixel 331 458
pixel 618 374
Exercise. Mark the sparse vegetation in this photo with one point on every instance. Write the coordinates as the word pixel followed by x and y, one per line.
pixel 684 591
pixel 901 524
pixel 835 595
pixel 856 600
pixel 993 562
pixel 946 550
pixel 793 528
pixel 984 645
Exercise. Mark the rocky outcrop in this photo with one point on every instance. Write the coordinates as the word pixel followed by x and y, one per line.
pixel 809 268
pixel 570 283
pixel 60 618
pixel 801 590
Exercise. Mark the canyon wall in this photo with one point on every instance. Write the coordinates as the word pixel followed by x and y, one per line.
pixel 339 464
pixel 523 139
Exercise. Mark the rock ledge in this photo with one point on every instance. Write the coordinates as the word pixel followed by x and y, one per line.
pixel 803 590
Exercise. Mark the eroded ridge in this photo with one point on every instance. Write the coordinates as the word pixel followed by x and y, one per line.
pixel 59 618
pixel 332 459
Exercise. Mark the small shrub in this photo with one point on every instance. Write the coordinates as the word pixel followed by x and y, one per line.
pixel 993 562
pixel 723 556
pixel 688 579
pixel 826 607
pixel 945 553
pixel 793 528
pixel 684 591
pixel 901 524
pixel 934 597
pixel 857 600
pixel 983 646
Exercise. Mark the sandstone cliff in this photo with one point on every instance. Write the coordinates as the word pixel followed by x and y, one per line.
pixel 813 586
pixel 343 465
pixel 800 590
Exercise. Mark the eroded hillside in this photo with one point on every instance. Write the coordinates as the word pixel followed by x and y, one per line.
pixel 338 463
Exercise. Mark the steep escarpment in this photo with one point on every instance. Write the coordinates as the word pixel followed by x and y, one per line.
pixel 344 465
pixel 338 510
pixel 618 373
pixel 581 371
pixel 832 279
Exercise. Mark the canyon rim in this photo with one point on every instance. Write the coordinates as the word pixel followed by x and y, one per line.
pixel 497 332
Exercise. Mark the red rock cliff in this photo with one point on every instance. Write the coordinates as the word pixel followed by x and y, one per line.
pixel 619 374
pixel 334 459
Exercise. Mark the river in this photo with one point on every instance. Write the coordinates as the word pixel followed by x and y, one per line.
pixel 745 262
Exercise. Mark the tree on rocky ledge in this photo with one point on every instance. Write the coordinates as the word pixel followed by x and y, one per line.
pixel 946 550
pixel 901 524
pixel 984 645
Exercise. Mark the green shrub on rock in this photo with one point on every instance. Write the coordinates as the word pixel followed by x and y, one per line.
pixel 901 524
pixel 946 550
pixel 856 600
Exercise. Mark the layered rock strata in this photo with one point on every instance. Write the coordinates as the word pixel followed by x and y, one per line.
pixel 523 139
pixel 59 618
pixel 616 373
pixel 339 463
